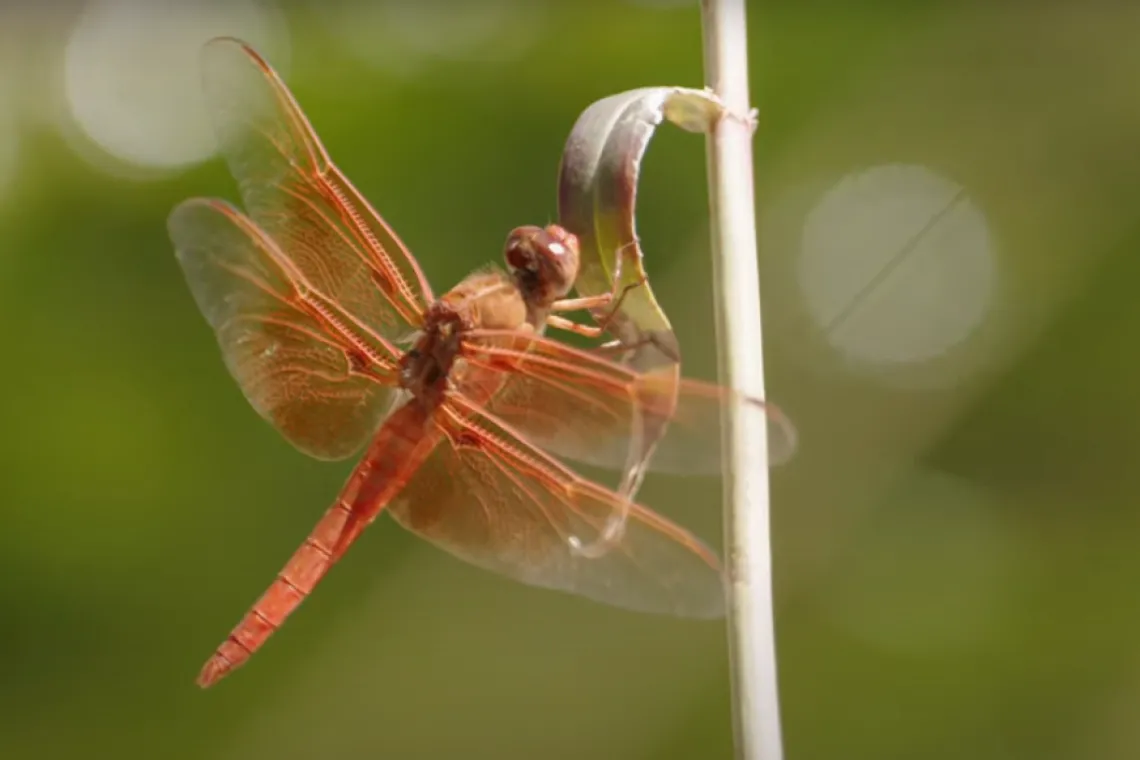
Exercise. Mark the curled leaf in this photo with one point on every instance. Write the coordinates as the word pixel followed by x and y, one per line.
pixel 597 201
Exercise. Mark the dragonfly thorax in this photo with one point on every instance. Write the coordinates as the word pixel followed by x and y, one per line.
pixel 425 368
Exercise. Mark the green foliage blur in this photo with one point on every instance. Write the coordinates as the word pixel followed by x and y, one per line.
pixel 956 542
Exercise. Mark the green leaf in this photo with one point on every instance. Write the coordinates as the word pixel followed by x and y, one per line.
pixel 597 201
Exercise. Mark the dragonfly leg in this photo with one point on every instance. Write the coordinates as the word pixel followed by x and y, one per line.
pixel 665 342
pixel 569 325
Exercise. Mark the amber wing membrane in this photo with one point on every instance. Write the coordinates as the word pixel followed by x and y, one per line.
pixel 490 499
pixel 292 190
pixel 300 361
pixel 581 406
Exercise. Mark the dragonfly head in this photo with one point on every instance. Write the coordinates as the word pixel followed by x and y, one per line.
pixel 543 261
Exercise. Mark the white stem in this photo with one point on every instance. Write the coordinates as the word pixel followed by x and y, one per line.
pixel 752 645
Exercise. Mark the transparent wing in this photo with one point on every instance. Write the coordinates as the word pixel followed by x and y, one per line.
pixel 303 363
pixel 578 405
pixel 488 498
pixel 292 190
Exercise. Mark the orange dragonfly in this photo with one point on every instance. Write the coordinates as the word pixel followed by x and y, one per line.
pixel 329 327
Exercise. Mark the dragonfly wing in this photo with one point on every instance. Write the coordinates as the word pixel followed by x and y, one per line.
pixel 490 499
pixel 294 356
pixel 302 201
pixel 581 406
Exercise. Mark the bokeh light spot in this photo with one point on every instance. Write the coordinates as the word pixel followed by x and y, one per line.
pixel 132 74
pixel 897 265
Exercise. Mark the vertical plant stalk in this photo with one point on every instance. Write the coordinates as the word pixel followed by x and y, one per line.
pixel 752 644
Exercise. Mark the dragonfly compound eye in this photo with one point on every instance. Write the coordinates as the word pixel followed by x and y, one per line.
pixel 520 248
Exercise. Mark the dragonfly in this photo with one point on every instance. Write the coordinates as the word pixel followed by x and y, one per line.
pixel 467 413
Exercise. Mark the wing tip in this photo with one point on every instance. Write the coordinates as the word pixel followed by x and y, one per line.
pixel 182 214
pixel 225 41
pixel 230 45
pixel 787 440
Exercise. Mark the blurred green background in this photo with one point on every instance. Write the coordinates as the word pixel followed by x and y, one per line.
pixel 949 235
